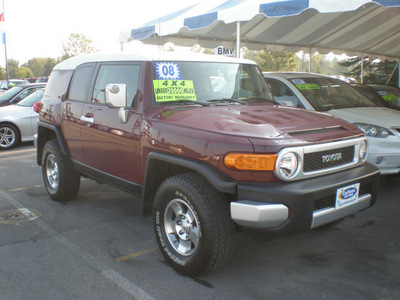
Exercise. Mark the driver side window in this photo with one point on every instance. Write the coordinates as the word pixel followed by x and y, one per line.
pixel 119 74
pixel 283 94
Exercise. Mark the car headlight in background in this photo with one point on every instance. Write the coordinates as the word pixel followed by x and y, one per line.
pixel 363 150
pixel 287 165
pixel 373 130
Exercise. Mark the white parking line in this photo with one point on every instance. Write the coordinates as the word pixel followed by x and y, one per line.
pixel 100 267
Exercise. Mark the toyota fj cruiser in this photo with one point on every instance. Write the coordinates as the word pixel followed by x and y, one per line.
pixel 202 143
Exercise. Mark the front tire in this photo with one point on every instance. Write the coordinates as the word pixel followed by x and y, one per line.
pixel 9 136
pixel 60 178
pixel 192 224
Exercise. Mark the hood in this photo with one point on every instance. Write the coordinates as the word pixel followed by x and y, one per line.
pixel 252 121
pixel 380 116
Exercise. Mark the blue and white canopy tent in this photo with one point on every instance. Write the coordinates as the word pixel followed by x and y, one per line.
pixel 343 26
pixel 354 27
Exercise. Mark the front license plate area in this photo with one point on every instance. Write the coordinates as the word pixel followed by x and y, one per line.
pixel 347 195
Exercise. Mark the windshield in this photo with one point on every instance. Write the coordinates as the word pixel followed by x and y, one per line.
pixel 208 83
pixel 390 95
pixel 32 98
pixel 10 94
pixel 328 93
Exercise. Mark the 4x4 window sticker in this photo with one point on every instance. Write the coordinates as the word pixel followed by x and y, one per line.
pixel 173 90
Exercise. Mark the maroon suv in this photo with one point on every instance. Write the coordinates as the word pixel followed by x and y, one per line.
pixel 201 141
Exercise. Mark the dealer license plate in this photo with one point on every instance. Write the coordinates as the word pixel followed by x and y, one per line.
pixel 347 195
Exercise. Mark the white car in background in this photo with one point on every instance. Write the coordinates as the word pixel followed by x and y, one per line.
pixel 18 122
pixel 335 97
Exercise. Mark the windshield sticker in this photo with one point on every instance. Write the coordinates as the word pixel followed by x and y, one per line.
pixel 173 90
pixel 298 81
pixel 382 93
pixel 166 70
pixel 308 86
pixel 390 97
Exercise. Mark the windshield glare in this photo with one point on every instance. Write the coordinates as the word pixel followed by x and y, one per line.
pixel 32 98
pixel 10 94
pixel 207 82
pixel 328 93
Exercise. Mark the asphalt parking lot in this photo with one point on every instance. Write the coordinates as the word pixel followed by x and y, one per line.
pixel 101 247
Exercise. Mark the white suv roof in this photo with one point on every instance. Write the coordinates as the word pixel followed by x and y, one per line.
pixel 74 62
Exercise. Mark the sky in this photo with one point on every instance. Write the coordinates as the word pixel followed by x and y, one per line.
pixel 37 28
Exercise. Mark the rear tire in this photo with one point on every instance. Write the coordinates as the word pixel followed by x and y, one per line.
pixel 192 224
pixel 60 178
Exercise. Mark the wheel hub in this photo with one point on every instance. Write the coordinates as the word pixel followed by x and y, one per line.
pixel 7 137
pixel 181 227
pixel 52 172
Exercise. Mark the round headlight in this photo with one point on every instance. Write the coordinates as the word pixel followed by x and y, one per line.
pixel 363 150
pixel 288 165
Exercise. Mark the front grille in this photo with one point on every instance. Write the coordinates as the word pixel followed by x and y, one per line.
pixel 325 202
pixel 330 200
pixel 328 159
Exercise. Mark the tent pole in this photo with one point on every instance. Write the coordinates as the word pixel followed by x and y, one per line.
pixel 309 63
pixel 362 70
pixel 394 70
pixel 238 39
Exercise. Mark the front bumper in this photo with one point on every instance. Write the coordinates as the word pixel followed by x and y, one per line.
pixel 388 164
pixel 384 153
pixel 302 205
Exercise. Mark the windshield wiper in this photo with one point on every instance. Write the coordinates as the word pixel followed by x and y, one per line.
pixel 187 102
pixel 228 100
pixel 254 98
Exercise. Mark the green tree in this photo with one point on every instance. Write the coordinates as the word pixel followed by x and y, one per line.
pixel 374 71
pixel 321 64
pixel 48 66
pixel 40 66
pixel 23 72
pixel 76 44
pixel 2 73
pixel 13 66
pixel 269 60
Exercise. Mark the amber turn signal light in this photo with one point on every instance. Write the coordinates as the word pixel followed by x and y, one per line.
pixel 250 162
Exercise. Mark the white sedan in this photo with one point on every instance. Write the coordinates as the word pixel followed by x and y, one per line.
pixel 18 122
pixel 325 94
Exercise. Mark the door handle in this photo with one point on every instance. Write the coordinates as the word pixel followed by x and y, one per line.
pixel 87 120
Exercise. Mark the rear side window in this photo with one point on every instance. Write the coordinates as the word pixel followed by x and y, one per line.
pixel 57 84
pixel 78 89
pixel 26 93
pixel 120 74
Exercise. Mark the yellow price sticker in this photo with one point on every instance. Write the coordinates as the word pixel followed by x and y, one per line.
pixel 390 97
pixel 308 86
pixel 173 90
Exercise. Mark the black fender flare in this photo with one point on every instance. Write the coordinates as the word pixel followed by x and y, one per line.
pixel 42 139
pixel 218 180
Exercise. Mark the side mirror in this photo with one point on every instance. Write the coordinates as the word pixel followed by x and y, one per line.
pixel 116 95
pixel 63 97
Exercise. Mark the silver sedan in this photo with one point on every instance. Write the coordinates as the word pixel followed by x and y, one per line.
pixel 18 122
